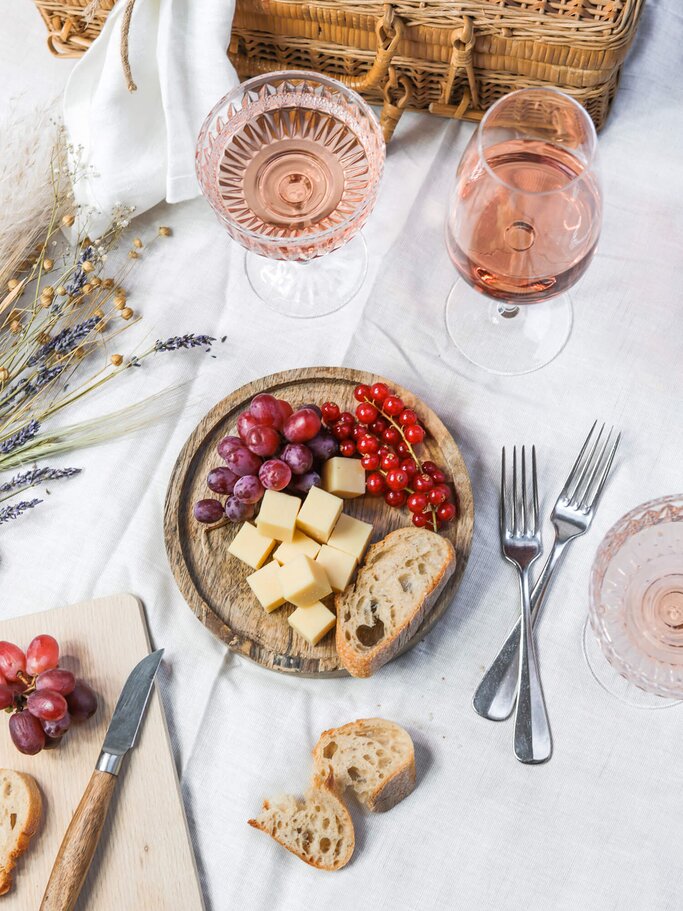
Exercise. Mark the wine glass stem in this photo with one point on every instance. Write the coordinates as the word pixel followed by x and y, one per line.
pixel 508 311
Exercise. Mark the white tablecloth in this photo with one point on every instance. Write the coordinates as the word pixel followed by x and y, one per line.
pixel 598 827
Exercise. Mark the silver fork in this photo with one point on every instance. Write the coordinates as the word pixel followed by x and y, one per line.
pixel 571 516
pixel 521 542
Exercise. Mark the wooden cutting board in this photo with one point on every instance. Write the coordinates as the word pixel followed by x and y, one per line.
pixel 214 584
pixel 144 861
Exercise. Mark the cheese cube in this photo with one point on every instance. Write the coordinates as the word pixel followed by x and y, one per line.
pixel 250 546
pixel 265 584
pixel 344 477
pixel 319 514
pixel 351 535
pixel 338 565
pixel 277 515
pixel 304 581
pixel 300 544
pixel 312 622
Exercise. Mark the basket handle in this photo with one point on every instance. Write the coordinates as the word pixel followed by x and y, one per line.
pixel 463 40
pixel 389 31
pixel 460 111
pixel 393 107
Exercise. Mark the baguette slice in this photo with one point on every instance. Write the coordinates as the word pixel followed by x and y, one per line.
pixel 318 829
pixel 374 757
pixel 400 581
pixel 20 812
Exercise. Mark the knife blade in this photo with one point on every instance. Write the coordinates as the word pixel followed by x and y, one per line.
pixel 83 833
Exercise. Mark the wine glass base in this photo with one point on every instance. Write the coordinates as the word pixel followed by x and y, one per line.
pixel 505 339
pixel 311 289
pixel 612 681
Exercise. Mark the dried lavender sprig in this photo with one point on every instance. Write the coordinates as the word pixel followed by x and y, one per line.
pixel 8 513
pixel 79 277
pixel 44 376
pixel 37 476
pixel 65 341
pixel 20 438
pixel 184 341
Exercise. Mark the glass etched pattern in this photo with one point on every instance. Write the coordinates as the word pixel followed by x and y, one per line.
pixel 636 596
pixel 291 164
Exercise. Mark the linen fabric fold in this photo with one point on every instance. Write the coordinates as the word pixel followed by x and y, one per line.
pixel 138 147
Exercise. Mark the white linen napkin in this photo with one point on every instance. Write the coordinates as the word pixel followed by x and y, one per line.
pixel 139 146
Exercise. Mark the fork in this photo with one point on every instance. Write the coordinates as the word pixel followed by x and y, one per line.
pixel 521 543
pixel 571 517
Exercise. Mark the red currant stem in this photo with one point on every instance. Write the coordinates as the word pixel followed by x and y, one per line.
pixel 25 679
pixel 412 452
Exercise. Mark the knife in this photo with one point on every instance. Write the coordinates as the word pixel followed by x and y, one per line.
pixel 81 838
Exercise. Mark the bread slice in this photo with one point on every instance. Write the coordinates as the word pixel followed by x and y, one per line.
pixel 374 757
pixel 20 812
pixel 399 582
pixel 318 829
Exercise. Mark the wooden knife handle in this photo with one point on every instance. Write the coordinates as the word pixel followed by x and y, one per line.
pixel 79 844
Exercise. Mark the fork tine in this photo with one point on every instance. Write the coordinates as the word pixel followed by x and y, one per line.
pixel 589 502
pixel 592 469
pixel 592 459
pixel 525 511
pixel 504 508
pixel 515 493
pixel 534 483
pixel 575 468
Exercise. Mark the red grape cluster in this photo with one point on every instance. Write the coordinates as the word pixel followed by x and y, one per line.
pixel 276 448
pixel 385 433
pixel 44 699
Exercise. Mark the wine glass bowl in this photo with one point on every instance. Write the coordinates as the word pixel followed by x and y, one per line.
pixel 291 164
pixel 523 222
pixel 636 596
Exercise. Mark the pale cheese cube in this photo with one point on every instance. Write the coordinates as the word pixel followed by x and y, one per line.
pixel 351 535
pixel 277 515
pixel 312 622
pixel 344 477
pixel 304 581
pixel 300 544
pixel 250 546
pixel 319 514
pixel 265 584
pixel 338 565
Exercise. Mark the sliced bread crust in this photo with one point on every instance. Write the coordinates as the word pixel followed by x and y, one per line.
pixel 20 812
pixel 400 581
pixel 373 756
pixel 318 829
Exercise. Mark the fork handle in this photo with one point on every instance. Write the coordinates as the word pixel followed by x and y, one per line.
pixel 533 743
pixel 497 693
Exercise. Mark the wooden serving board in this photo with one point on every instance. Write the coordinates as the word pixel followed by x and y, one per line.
pixel 213 582
pixel 144 861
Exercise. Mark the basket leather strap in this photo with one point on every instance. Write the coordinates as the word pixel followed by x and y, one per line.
pixel 461 59
pixel 394 104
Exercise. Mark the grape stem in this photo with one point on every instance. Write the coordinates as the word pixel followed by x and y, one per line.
pixel 412 452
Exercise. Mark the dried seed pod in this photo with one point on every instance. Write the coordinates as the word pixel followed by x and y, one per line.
pixel 87 266
pixel 95 281
pixel 12 284
pixel 117 359
pixel 87 288
pixel 107 282
pixel 48 264
pixel 4 374
pixel 119 302
pixel 15 326
pixel 137 242
pixel 48 291
pixel 68 220
pixel 43 338
pixel 126 313
pixel 132 254
pixel 61 290
pixel 165 231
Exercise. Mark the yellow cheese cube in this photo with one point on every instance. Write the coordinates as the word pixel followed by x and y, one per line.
pixel 338 565
pixel 351 535
pixel 277 515
pixel 312 622
pixel 250 546
pixel 344 477
pixel 300 544
pixel 319 514
pixel 265 584
pixel 304 581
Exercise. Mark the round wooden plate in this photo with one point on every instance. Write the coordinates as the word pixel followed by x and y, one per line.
pixel 213 582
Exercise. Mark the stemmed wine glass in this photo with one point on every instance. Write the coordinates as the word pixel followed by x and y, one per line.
pixel 522 226
pixel 291 164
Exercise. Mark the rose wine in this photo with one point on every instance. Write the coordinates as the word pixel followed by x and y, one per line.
pixel 293 172
pixel 525 222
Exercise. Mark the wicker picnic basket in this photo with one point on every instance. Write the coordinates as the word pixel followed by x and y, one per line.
pixel 453 58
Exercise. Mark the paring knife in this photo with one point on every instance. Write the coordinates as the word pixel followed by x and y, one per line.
pixel 81 838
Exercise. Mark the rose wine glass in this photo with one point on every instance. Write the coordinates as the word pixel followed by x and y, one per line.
pixel 523 222
pixel 291 164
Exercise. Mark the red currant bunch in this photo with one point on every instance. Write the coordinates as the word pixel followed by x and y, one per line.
pixel 43 699
pixel 384 433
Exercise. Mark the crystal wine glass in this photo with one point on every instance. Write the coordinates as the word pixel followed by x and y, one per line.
pixel 291 164
pixel 522 226
pixel 636 600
